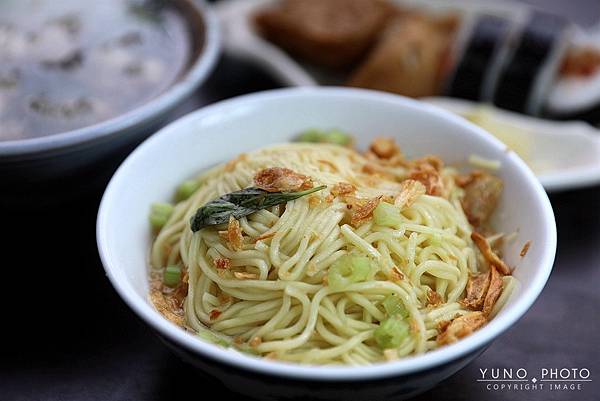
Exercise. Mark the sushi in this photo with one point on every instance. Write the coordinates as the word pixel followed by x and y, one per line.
pixel 530 70
pixel 513 56
pixel 475 72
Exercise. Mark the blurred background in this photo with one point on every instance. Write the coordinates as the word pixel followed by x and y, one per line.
pixel 76 98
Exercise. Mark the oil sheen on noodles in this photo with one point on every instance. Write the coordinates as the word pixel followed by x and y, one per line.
pixel 284 303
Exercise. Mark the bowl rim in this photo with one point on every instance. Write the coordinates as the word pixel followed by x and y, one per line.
pixel 200 68
pixel 403 366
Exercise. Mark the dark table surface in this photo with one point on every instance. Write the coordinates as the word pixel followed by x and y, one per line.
pixel 68 336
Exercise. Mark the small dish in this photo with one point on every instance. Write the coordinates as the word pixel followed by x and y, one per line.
pixel 221 131
pixel 563 154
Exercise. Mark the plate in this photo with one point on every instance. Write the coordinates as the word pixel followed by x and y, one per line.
pixel 564 155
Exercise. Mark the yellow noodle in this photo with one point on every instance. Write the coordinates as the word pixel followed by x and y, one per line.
pixel 287 311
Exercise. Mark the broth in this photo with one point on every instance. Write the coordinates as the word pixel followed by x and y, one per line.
pixel 69 64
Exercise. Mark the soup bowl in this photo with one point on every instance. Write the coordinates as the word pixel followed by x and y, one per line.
pixel 220 132
pixel 64 163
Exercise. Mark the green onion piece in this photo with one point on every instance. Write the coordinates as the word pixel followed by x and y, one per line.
pixel 172 276
pixel 391 332
pixel 388 215
pixel 334 136
pixel 185 190
pixel 311 136
pixel 211 337
pixel 394 307
pixel 337 137
pixel 347 270
pixel 159 214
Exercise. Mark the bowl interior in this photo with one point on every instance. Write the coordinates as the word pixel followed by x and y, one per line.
pixel 220 132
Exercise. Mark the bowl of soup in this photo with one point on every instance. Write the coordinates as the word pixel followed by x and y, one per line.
pixel 81 82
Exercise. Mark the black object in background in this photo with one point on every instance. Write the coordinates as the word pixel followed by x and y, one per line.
pixel 487 40
pixel 522 84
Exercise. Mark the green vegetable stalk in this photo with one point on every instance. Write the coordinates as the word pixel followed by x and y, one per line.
pixel 186 189
pixel 347 270
pixel 172 276
pixel 393 306
pixel 333 136
pixel 387 215
pixel 391 332
pixel 159 214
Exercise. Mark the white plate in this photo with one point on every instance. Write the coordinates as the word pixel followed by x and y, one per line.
pixel 563 154
pixel 566 155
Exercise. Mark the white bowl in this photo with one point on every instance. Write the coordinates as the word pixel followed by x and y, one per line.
pixel 219 132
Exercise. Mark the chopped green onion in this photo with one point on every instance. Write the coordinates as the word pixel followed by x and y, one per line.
pixel 391 332
pixel 347 270
pixel 186 189
pixel 337 137
pixel 172 276
pixel 386 214
pixel 311 136
pixel 211 337
pixel 159 214
pixel 334 136
pixel 394 307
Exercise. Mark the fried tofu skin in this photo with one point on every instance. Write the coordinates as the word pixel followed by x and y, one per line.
pixel 433 298
pixel 482 192
pixel 477 288
pixel 384 148
pixel 168 307
pixel 409 58
pixel 493 293
pixel 332 33
pixel 222 263
pixel 483 290
pixel 343 188
pixel 525 249
pixel 489 255
pixel 361 210
pixel 461 327
pixel 235 240
pixel 281 179
pixel 428 171
pixel 411 190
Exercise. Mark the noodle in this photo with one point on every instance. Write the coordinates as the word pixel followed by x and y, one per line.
pixel 273 297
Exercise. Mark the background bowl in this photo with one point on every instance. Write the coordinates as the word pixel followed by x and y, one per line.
pixel 218 133
pixel 58 164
